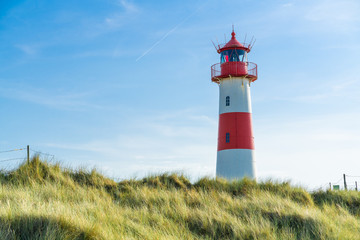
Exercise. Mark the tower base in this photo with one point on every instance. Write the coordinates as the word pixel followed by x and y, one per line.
pixel 236 164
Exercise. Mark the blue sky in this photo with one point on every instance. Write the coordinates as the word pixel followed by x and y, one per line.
pixel 125 85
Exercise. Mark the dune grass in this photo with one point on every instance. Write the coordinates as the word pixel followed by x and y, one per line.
pixel 44 201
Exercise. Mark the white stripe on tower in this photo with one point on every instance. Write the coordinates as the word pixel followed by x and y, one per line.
pixel 238 89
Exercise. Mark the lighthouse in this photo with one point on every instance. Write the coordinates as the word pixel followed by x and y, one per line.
pixel 234 75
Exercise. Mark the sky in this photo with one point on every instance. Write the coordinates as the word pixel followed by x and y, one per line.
pixel 124 85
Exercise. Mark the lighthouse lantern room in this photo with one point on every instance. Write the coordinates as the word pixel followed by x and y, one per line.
pixel 234 75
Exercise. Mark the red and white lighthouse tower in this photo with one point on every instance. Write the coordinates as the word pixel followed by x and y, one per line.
pixel 234 75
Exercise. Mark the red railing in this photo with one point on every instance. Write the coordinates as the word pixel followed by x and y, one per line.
pixel 234 69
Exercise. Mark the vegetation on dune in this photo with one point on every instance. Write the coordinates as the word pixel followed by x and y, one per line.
pixel 44 201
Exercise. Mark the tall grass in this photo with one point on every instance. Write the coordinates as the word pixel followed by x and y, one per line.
pixel 44 201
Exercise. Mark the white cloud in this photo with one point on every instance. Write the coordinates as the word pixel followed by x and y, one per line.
pixel 128 6
pixel 122 16
pixel 153 146
pixel 313 17
pixel 28 49
pixel 333 16
pixel 334 12
pixel 286 5
pixel 68 101
pixel 331 90
pixel 314 150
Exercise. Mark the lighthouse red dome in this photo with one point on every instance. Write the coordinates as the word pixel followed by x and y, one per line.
pixel 233 43
pixel 233 61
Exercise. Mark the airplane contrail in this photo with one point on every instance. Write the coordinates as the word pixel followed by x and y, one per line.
pixel 167 34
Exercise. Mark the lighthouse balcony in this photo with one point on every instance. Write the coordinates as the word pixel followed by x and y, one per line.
pixel 233 69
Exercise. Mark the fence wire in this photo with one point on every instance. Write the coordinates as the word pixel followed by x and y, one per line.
pixel 14 158
pixel 11 158
pixel 12 150
pixel 51 156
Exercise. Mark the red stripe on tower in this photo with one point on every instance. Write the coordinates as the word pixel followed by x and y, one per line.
pixel 235 131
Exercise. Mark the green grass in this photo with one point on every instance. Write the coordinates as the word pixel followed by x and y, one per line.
pixel 45 201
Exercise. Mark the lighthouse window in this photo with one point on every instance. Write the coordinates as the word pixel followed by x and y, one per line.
pixel 227 101
pixel 233 55
pixel 225 56
pixel 241 54
pixel 227 138
pixel 234 58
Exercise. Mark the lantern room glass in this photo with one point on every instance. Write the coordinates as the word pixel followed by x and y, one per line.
pixel 233 55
